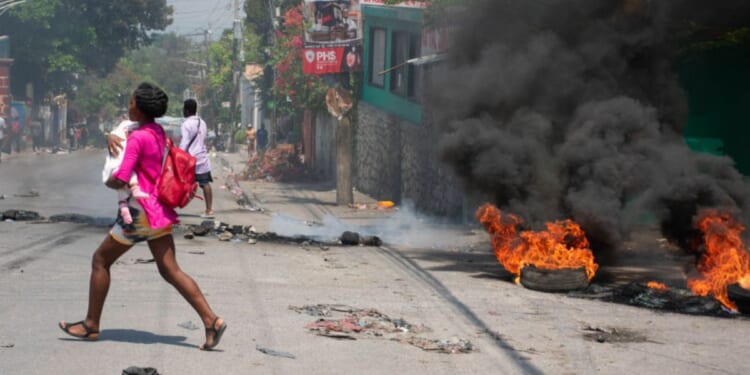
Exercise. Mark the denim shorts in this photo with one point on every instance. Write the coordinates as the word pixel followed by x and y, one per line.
pixel 203 178
pixel 138 231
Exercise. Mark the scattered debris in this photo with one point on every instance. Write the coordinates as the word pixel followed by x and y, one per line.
pixel 30 194
pixel 274 353
pixel 449 346
pixel 144 261
pixel 20 215
pixel 370 323
pixel 639 294
pixel 322 309
pixel 280 164
pixel 189 325
pixel 225 236
pixel 614 335
pixel 133 370
pixel 197 252
pixel 82 219
pixel 189 236
pixel 349 238
pixel 380 205
pixel 252 241
pixel 8 346
pixel 353 238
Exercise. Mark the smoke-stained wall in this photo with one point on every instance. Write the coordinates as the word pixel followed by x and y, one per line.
pixel 573 109
pixel 397 160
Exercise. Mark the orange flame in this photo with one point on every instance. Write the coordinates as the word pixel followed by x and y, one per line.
pixel 725 261
pixel 657 285
pixel 562 245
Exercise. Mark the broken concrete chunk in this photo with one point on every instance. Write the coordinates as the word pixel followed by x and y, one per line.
pixel 20 215
pixel 349 238
pixel 225 236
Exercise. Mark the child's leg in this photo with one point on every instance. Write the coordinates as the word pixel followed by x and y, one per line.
pixel 125 212
pixel 135 189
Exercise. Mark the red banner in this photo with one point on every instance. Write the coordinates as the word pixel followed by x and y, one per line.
pixel 324 60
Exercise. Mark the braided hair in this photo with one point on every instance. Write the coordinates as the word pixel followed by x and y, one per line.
pixel 151 100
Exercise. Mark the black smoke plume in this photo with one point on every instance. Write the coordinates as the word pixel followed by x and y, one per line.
pixel 573 109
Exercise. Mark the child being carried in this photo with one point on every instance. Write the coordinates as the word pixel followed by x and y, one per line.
pixel 112 164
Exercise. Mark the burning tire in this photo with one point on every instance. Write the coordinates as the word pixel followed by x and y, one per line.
pixel 739 296
pixel 554 281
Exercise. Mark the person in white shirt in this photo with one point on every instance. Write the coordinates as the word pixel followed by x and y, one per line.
pixel 2 137
pixel 194 131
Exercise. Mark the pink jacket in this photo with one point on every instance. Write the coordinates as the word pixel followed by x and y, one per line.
pixel 143 154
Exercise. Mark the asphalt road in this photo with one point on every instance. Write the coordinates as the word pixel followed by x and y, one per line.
pixel 456 291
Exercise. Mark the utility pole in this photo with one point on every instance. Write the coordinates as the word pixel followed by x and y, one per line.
pixel 235 76
pixel 274 13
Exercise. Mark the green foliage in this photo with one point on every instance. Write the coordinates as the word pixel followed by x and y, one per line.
pixel 55 42
pixel 728 38
pixel 294 90
pixel 240 137
pixel 104 98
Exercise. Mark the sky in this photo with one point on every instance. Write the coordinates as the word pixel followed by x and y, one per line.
pixel 195 16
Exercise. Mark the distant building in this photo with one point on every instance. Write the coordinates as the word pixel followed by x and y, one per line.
pixel 5 63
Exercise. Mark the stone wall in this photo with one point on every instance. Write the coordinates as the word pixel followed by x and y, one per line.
pixel 397 160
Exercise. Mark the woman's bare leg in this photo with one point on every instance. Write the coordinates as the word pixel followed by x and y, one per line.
pixel 163 250
pixel 106 255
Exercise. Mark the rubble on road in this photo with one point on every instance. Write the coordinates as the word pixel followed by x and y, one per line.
pixel 359 323
pixel 638 294
pixel 189 325
pixel 134 370
pixel 353 238
pixel 29 194
pixel 281 164
pixel 380 205
pixel 612 334
pixel 20 215
pixel 233 186
pixel 274 353
pixel 248 234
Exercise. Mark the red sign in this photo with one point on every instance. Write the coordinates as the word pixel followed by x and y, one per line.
pixel 326 60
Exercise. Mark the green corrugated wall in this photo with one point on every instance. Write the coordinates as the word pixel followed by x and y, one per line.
pixel 717 82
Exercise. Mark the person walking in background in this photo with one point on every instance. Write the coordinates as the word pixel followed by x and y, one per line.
pixel 84 136
pixel 77 135
pixel 152 221
pixel 262 140
pixel 2 137
pixel 36 135
pixel 71 138
pixel 250 134
pixel 193 141
pixel 15 129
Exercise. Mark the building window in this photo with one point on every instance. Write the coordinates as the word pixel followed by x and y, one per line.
pixel 405 78
pixel 377 57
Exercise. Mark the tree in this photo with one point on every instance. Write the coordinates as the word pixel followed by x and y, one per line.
pixel 294 90
pixel 55 42
pixel 164 63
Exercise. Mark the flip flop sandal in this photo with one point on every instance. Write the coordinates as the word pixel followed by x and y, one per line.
pixel 89 335
pixel 217 334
